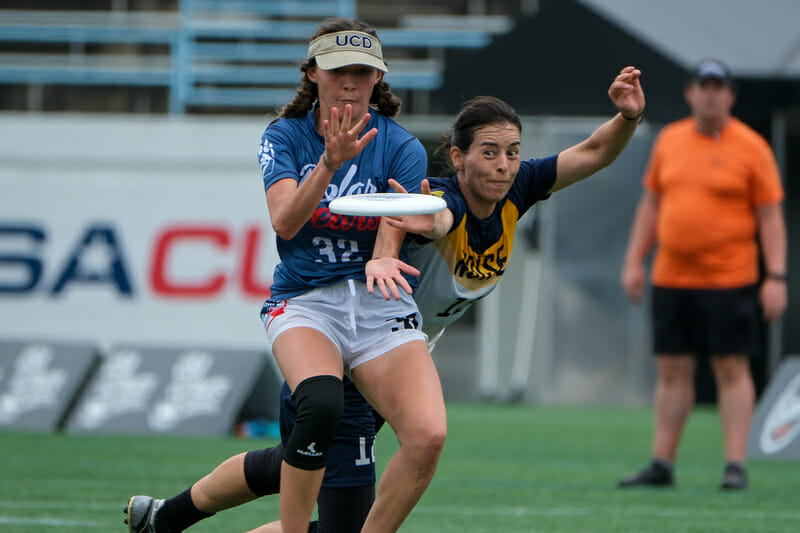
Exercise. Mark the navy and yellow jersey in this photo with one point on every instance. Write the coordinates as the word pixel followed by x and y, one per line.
pixel 466 264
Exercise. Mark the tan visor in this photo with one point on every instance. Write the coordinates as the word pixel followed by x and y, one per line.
pixel 335 50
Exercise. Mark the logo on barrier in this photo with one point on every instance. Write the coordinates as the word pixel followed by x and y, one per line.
pixel 32 384
pixel 191 392
pixel 120 390
pixel 96 258
pixel 782 424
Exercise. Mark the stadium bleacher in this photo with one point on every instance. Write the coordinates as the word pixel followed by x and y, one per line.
pixel 212 55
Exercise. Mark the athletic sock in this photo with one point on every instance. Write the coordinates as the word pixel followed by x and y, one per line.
pixel 735 467
pixel 662 465
pixel 178 513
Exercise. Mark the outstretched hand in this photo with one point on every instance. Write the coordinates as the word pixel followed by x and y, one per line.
pixel 420 224
pixel 626 92
pixel 341 139
pixel 387 273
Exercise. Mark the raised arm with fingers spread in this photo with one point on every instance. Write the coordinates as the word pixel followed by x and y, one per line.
pixel 606 142
pixel 290 203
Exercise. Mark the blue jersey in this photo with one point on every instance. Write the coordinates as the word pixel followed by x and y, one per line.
pixel 330 248
pixel 466 264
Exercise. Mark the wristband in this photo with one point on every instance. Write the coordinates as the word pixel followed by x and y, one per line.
pixel 325 162
pixel 777 277
pixel 638 118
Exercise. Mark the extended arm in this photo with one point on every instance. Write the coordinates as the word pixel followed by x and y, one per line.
pixel 385 269
pixel 606 142
pixel 432 226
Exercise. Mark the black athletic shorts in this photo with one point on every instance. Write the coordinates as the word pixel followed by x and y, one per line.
pixel 706 322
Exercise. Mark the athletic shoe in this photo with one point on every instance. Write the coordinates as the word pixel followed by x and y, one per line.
pixel 654 475
pixel 140 514
pixel 735 477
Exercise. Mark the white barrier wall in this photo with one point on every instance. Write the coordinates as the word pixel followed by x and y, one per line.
pixel 154 230
pixel 133 229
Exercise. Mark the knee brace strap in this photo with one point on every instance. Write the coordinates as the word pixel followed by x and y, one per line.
pixel 319 401
pixel 262 470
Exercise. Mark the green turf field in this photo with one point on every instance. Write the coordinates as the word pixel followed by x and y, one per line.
pixel 503 469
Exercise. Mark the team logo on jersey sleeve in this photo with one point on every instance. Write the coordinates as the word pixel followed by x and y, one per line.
pixel 266 156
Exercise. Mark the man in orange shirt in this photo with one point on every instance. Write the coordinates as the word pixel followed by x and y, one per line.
pixel 710 190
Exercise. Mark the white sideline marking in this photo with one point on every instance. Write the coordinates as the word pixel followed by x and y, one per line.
pixel 8 520
pixel 510 511
pixel 33 504
pixel 579 511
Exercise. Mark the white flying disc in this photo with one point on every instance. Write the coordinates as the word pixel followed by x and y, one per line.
pixel 387 204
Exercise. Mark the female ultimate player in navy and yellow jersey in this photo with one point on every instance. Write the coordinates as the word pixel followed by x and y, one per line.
pixel 465 265
pixel 472 241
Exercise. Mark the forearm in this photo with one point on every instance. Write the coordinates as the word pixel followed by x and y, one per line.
pixel 291 206
pixel 642 238
pixel 598 151
pixel 772 235
pixel 388 241
pixel 620 131
pixel 610 139
pixel 442 222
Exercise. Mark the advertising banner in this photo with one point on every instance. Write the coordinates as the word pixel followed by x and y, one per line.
pixel 39 382
pixel 191 391
pixel 775 431
pixel 128 231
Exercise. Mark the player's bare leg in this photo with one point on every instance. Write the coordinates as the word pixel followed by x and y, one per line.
pixel 299 487
pixel 404 387
pixel 272 527
pixel 223 488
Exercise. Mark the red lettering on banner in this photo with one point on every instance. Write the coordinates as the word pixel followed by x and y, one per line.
pixel 169 238
pixel 250 285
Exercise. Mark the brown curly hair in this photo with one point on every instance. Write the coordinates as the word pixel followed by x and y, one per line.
pixel 381 99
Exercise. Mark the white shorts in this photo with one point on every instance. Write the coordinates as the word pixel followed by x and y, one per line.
pixel 362 326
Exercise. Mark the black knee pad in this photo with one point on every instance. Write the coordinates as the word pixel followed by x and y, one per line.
pixel 262 470
pixel 319 401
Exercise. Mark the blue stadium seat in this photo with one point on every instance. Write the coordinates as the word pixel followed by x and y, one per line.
pixel 213 53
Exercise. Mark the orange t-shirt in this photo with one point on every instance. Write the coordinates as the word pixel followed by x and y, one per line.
pixel 708 189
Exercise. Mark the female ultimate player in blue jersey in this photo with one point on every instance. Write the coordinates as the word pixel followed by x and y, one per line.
pixel 321 321
pixel 489 191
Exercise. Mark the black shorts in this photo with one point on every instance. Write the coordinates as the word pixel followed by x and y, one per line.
pixel 706 322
